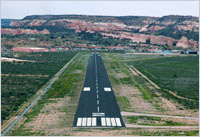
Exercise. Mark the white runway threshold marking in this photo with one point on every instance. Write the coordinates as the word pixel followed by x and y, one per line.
pixel 118 122
pixel 89 122
pixel 108 122
pixel 79 121
pixel 103 122
pixel 86 122
pixel 113 122
pixel 92 121
pixel 86 89
pixel 107 89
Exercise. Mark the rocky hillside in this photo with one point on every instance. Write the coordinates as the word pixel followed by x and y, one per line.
pixel 173 31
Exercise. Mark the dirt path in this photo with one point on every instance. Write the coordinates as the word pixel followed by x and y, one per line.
pixel 155 115
pixel 145 77
pixel 134 70
pixel 14 59
pixel 25 75
pixel 172 93
pixel 160 127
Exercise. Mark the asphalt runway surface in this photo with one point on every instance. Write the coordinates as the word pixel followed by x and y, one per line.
pixel 97 104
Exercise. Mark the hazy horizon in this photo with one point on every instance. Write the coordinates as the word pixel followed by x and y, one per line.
pixel 95 15
pixel 21 9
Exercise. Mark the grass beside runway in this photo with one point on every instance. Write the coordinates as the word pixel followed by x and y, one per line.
pixel 178 74
pixel 67 86
pixel 157 121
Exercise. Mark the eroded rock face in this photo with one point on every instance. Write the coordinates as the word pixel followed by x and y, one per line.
pixel 19 23
pixel 23 31
pixel 36 22
pixel 185 43
pixel 162 40
pixel 118 27
pixel 144 29
pixel 188 25
pixel 139 38
pixel 97 26
pixel 142 38
pixel 44 31
pixel 155 28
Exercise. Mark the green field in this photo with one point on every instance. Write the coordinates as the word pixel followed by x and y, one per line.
pixel 21 80
pixel 177 74
pixel 174 74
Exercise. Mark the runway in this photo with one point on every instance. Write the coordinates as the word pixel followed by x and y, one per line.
pixel 97 104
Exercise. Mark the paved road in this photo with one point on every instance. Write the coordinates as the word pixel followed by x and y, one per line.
pixel 97 104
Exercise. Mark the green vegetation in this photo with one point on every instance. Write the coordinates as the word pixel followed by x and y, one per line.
pixel 68 85
pixel 178 74
pixel 115 64
pixel 123 102
pixel 167 133
pixel 23 79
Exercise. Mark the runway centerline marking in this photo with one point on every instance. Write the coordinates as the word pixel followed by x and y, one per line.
pixel 88 113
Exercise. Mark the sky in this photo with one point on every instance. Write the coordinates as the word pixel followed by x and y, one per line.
pixel 20 9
